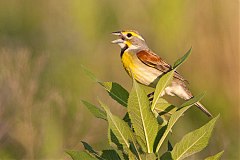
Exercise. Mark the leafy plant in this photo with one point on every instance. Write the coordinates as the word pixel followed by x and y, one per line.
pixel 142 131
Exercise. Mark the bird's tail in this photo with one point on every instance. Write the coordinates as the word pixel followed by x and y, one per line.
pixel 185 94
pixel 201 107
pixel 189 95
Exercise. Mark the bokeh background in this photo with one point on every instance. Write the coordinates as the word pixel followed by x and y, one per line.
pixel 43 44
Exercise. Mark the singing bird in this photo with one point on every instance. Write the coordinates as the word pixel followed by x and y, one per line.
pixel 146 67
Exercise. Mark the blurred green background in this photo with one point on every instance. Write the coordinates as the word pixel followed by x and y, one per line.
pixel 43 44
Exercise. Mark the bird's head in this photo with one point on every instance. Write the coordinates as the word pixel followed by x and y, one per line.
pixel 129 39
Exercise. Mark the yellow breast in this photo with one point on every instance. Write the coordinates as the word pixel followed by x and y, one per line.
pixel 128 63
pixel 138 70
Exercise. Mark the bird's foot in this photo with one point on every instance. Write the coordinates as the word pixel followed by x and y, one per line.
pixel 150 96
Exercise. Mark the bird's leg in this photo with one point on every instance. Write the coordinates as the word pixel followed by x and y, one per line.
pixel 150 96
pixel 150 99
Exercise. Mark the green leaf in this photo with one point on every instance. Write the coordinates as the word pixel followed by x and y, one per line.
pixel 141 143
pixel 162 121
pixel 166 156
pixel 215 157
pixel 148 156
pixel 194 141
pixel 120 128
pixel 182 59
pixel 117 92
pixel 131 156
pixel 97 112
pixel 110 155
pixel 176 115
pixel 170 148
pixel 134 150
pixel 166 79
pixel 163 107
pixel 80 155
pixel 144 123
pixel 163 82
pixel 193 100
pixel 127 119
pixel 90 150
pixel 113 141
pixel 89 74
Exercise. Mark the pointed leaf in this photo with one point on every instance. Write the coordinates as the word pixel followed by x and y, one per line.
pixel 120 128
pixel 215 157
pixel 193 100
pixel 97 112
pixel 90 150
pixel 117 92
pixel 194 141
pixel 80 155
pixel 166 79
pixel 144 123
pixel 89 74
pixel 182 59
pixel 163 82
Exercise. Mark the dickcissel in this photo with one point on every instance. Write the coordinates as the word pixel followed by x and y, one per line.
pixel 146 67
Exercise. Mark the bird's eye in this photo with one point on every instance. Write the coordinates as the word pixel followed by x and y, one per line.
pixel 129 35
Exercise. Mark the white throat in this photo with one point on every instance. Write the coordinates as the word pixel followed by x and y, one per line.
pixel 122 45
pixel 133 47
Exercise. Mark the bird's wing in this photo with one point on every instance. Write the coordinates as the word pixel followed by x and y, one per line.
pixel 153 60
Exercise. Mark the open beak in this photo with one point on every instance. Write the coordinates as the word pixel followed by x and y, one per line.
pixel 121 38
pixel 117 33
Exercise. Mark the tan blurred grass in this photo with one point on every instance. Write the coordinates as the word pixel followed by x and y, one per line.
pixel 43 44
